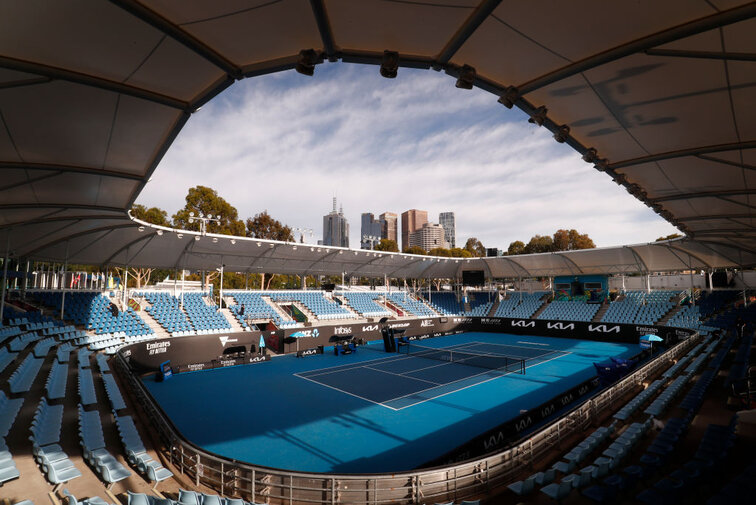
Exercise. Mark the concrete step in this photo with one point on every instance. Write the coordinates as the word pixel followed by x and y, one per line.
pixel 147 318
pixel 235 326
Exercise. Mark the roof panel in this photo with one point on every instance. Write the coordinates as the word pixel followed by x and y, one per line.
pixel 416 28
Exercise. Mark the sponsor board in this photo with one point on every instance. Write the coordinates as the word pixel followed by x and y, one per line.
pixel 462 320
pixel 371 327
pixel 487 321
pixel 399 325
pixel 227 362
pixel 645 330
pixel 524 323
pixel 226 339
pixel 341 330
pixel 560 326
pixel 308 352
pixel 602 328
pixel 315 333
pixel 425 323
pixel 258 358
pixel 157 347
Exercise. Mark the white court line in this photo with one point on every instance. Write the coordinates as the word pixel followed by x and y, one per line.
pixel 347 392
pixel 466 387
pixel 404 376
pixel 532 343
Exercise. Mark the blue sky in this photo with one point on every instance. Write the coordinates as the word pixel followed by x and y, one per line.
pixel 287 143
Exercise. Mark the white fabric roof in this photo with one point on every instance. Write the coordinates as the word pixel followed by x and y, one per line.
pixel 660 96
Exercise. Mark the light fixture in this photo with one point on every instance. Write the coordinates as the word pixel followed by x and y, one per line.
pixel 389 64
pixel 562 134
pixel 259 244
pixel 180 235
pixel 141 228
pixel 509 97
pixel 233 241
pixel 466 77
pixel 308 58
pixel 160 232
pixel 590 155
pixel 538 116
pixel 294 248
pixel 215 240
pixel 312 249
pixel 196 238
pixel 601 165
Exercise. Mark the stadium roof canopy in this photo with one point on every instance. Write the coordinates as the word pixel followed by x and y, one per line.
pixel 659 95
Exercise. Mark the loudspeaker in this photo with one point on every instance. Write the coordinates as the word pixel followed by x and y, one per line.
pixel 328 287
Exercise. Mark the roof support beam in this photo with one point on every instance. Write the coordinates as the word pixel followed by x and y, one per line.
pixel 695 151
pixel 45 220
pixel 690 256
pixel 464 32
pixel 713 55
pixel 568 261
pixel 55 73
pixel 682 31
pixel 66 206
pixel 77 235
pixel 324 27
pixel 638 260
pixel 715 216
pixel 190 42
pixel 30 181
pixel 70 169
pixel 703 194
pixel 510 260
pixel 744 166
pixel 129 244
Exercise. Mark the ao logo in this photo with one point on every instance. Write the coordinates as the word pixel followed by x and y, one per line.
pixel 426 322
pixel 603 328
pixel 560 326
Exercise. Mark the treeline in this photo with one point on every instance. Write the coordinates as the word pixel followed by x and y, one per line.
pixel 562 240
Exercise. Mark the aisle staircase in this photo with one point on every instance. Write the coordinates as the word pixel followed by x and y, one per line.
pixel 600 314
pixel 235 326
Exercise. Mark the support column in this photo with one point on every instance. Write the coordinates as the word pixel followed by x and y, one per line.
pixel 692 287
pixel 183 279
pixel 220 295
pixel 125 287
pixel 5 277
pixel 63 298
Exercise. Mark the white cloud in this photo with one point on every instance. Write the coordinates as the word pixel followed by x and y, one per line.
pixel 287 143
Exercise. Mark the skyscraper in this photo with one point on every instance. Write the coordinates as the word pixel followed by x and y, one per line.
pixel 446 219
pixel 370 231
pixel 412 220
pixel 388 226
pixel 430 236
pixel 335 228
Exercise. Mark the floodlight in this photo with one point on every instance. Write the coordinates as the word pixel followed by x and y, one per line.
pixel 466 77
pixel 590 155
pixel 141 228
pixel 294 248
pixel 233 241
pixel 215 240
pixel 160 232
pixel 538 116
pixel 562 134
pixel 196 237
pixel 180 235
pixel 510 96
pixel 389 64
pixel 191 214
pixel 308 58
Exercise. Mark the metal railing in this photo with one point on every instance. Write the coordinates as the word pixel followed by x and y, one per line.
pixel 472 478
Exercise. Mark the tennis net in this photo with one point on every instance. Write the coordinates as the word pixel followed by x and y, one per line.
pixel 490 361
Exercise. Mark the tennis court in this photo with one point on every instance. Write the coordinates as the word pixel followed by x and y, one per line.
pixel 421 373
pixel 371 411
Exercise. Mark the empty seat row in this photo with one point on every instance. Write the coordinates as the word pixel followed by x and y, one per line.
pixel 136 454
pixel 95 452
pixel 114 394
pixel 21 341
pixel 660 404
pixel 9 409
pixel 55 386
pixel 43 347
pixel 23 377
pixel 6 358
pixel 627 410
pixel 8 470
pixel 87 393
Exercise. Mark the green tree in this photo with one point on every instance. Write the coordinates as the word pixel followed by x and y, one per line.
pixel 539 244
pixel 440 251
pixel 516 247
pixel 264 226
pixel 415 249
pixel 387 245
pixel 458 252
pixel 206 201
pixel 669 237
pixel 152 215
pixel 571 240
pixel 475 247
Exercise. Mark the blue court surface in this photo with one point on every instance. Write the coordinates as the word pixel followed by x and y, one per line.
pixel 372 411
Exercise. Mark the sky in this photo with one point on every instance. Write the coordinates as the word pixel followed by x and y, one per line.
pixel 288 144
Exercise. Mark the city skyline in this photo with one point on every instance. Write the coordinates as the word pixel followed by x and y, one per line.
pixel 307 136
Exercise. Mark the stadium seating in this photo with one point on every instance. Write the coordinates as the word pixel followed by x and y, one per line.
pixel 136 454
pixel 640 307
pixel 166 310
pixel 95 452
pixel 23 377
pixel 563 310
pixel 520 305
pixel 204 319
pixel 257 308
pixel 688 316
pixel 364 302
pixel 323 308
pixel 45 429
pixel 443 302
pixel 412 306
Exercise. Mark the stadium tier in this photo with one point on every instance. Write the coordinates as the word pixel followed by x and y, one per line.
pixel 323 308
pixel 411 305
pixel 520 305
pixel 641 307
pixel 573 310
pixel 253 306
pixel 366 303
pixel 166 310
pixel 204 318
pixel 444 302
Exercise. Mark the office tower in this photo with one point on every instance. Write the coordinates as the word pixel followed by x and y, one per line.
pixel 412 220
pixel 388 222
pixel 446 219
pixel 335 228
pixel 370 231
pixel 430 236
